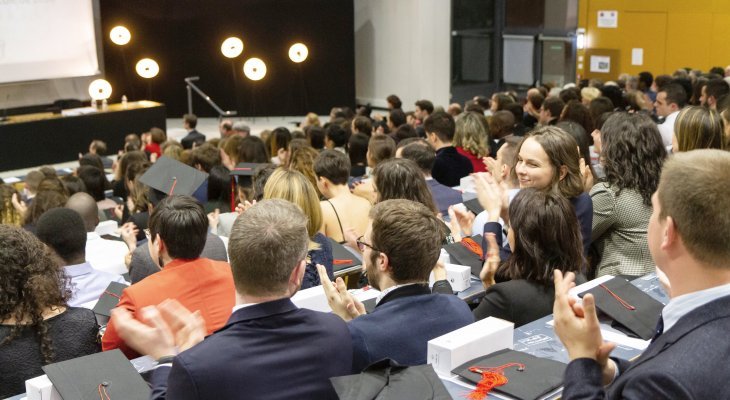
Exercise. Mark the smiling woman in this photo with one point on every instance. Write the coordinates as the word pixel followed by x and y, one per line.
pixel 548 160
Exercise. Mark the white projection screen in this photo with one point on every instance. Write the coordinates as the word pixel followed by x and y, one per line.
pixel 47 39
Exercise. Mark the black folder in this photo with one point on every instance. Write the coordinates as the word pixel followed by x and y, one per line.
pixel 539 378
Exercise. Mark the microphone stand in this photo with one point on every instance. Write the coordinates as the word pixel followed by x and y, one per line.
pixel 190 86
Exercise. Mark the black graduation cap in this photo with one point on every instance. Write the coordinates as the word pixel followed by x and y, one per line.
pixel 171 177
pixel 342 258
pixel 462 255
pixel 533 379
pixel 386 379
pixel 106 375
pixel 108 300
pixel 634 311
pixel 474 206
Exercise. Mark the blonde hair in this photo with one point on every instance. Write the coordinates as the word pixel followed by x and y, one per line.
pixel 294 187
pixel 172 149
pixel 590 93
pixel 301 159
pixel 472 134
pixel 312 119
pixel 699 128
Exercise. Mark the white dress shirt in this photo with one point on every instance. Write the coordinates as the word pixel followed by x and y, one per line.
pixel 87 284
pixel 106 255
pixel 666 128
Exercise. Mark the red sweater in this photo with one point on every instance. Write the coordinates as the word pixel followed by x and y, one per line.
pixel 476 162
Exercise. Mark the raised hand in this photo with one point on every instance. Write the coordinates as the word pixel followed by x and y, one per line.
pixel 489 193
pixel 339 299
pixel 577 324
pixel 242 207
pixel 491 263
pixel 462 222
pixel 188 328
pixel 214 218
pixel 149 334
pixel 18 204
pixel 493 167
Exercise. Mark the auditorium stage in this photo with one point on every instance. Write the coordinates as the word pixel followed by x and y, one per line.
pixel 207 126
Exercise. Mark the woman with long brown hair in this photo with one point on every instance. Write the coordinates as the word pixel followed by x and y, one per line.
pixel 36 325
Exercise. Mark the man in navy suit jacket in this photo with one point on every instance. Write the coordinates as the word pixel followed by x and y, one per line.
pixel 450 166
pixel 190 121
pixel 686 357
pixel 421 152
pixel 269 349
pixel 401 245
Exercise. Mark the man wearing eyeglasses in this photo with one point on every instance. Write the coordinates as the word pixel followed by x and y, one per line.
pixel 400 247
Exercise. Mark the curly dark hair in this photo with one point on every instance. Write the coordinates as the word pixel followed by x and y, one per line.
pixel 539 251
pixel 632 153
pixel 32 283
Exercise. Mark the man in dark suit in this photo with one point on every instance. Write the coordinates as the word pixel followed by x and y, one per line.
pixel 419 151
pixel 450 166
pixel 686 355
pixel 401 246
pixel 269 349
pixel 190 121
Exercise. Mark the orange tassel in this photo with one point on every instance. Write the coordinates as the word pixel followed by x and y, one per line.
pixel 491 378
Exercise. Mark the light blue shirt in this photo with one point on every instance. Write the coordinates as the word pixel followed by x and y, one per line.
pixel 87 283
pixel 679 306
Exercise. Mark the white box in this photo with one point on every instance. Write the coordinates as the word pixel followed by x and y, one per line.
pixel 41 388
pixel 315 299
pixel 459 276
pixel 475 340
pixel 312 298
pixel 466 184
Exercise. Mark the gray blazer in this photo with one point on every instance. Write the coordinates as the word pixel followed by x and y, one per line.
pixel 619 231
pixel 142 265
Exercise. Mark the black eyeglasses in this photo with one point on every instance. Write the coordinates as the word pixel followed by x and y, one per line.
pixel 361 245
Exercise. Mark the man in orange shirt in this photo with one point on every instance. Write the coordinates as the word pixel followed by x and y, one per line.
pixel 177 230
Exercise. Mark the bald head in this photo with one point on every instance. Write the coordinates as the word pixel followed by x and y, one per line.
pixel 86 206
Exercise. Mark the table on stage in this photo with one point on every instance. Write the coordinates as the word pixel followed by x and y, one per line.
pixel 46 138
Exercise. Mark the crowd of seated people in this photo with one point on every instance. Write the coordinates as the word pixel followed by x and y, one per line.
pixel 575 182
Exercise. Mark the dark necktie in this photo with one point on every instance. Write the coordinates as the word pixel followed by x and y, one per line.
pixel 659 329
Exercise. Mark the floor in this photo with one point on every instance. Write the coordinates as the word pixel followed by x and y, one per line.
pixel 206 126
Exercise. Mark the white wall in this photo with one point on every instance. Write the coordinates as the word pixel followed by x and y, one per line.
pixel 402 47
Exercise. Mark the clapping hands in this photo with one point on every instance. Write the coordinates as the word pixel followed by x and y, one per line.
pixel 339 299
pixel 160 331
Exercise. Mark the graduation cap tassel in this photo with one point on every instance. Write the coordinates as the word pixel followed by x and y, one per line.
pixel 621 301
pixel 172 189
pixel 491 378
pixel 473 246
